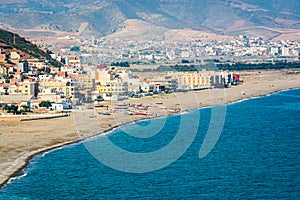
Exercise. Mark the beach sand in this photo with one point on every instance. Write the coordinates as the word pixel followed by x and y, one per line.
pixel 20 140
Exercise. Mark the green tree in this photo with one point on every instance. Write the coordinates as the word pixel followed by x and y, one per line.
pixel 6 107
pixel 14 109
pixel 25 108
pixel 11 109
pixel 99 98
pixel 45 104
pixel 75 48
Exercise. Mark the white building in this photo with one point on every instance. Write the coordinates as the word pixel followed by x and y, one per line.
pixel 285 51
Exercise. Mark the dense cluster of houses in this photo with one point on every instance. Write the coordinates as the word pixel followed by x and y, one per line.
pixel 241 47
pixel 28 82
pixel 33 81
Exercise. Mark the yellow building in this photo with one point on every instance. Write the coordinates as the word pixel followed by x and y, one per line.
pixel 192 80
pixel 29 88
pixel 199 80
pixel 24 88
pixel 114 88
pixel 37 63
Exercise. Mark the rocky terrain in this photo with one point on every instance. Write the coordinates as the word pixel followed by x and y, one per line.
pixel 229 17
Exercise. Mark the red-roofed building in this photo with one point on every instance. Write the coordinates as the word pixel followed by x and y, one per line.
pixel 101 66
pixel 62 74
pixel 3 58
pixel 75 76
pixel 14 81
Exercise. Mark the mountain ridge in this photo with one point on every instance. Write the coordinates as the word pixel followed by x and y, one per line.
pixel 109 16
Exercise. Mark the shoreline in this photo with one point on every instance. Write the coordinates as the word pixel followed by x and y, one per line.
pixel 16 166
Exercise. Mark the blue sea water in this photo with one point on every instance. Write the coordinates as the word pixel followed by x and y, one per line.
pixel 256 157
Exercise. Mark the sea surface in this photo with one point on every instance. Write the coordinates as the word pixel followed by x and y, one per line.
pixel 256 156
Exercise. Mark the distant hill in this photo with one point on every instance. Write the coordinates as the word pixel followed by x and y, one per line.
pixel 143 31
pixel 108 16
pixel 13 42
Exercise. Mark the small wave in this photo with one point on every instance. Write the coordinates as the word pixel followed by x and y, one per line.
pixel 184 113
pixel 43 154
pixel 15 178
pixel 95 137
pixel 242 100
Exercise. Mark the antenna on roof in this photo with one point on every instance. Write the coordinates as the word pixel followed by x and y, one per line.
pixel 93 34
pixel 14 38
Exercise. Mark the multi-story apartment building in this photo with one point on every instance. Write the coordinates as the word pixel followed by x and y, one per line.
pixel 113 90
pixel 36 63
pixel 200 80
pixel 64 87
pixel 25 88
pixel 113 87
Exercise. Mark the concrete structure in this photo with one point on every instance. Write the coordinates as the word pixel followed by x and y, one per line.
pixel 25 88
pixel 285 51
pixel 36 63
pixel 201 80
pixel 193 80
pixel 63 105
pixel 120 88
pixel 14 57
pixel 66 88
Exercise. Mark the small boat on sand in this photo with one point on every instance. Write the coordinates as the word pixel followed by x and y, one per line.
pixel 128 113
pixel 173 110
pixel 143 108
pixel 141 113
pixel 104 113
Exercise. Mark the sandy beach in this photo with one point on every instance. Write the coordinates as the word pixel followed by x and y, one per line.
pixel 20 140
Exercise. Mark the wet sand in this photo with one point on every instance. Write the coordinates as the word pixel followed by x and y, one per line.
pixel 20 140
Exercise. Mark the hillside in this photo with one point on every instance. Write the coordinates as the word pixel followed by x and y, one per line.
pixel 13 42
pixel 219 16
pixel 143 31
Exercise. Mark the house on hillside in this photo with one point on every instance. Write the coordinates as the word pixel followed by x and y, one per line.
pixel 27 87
pixel 14 57
pixel 3 57
pixel 23 66
pixel 36 63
